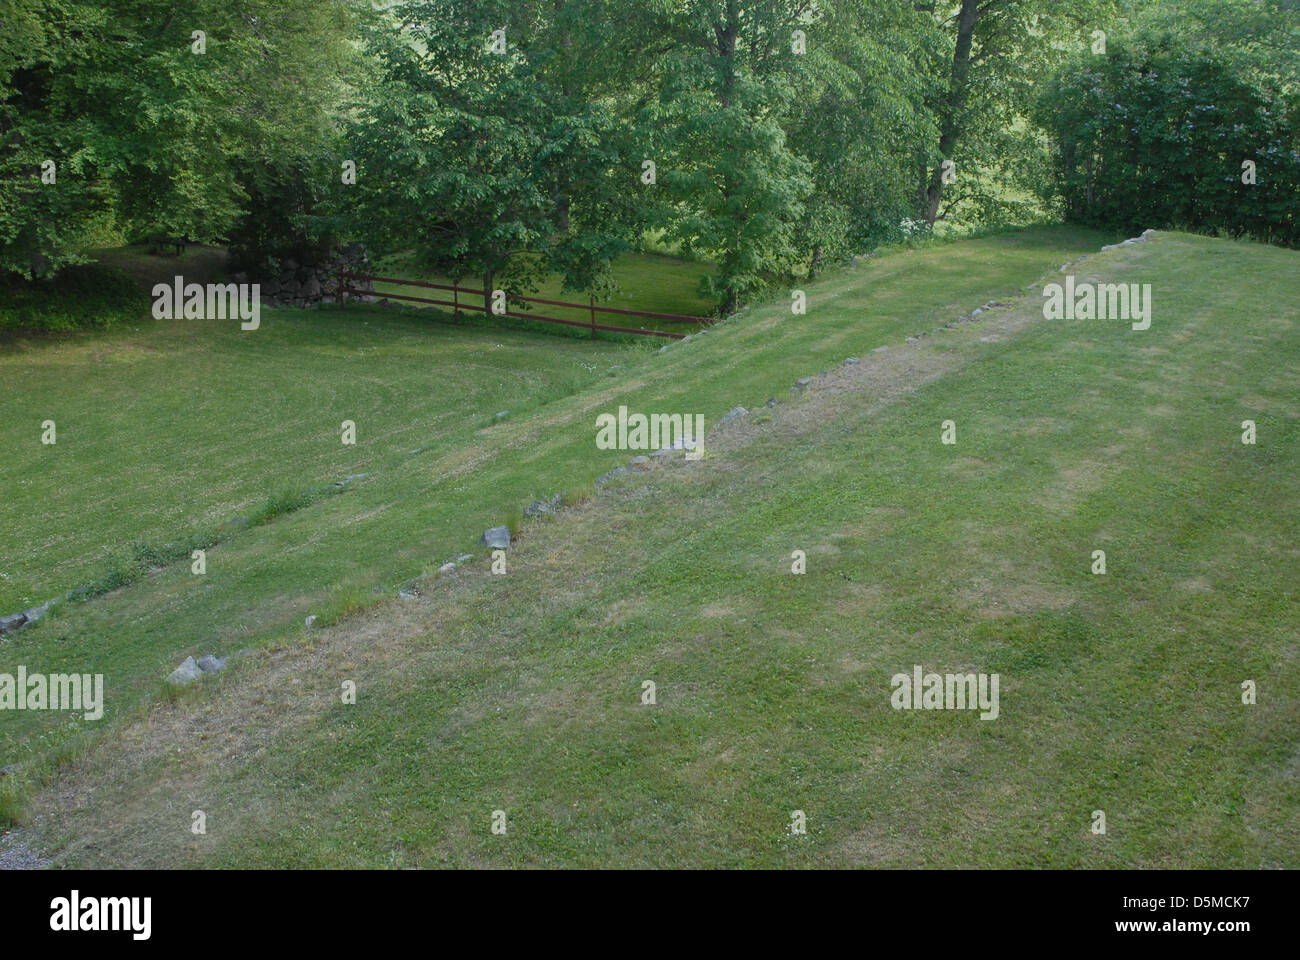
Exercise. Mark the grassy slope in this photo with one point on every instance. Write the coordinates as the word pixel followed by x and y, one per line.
pixel 273 402
pixel 1119 692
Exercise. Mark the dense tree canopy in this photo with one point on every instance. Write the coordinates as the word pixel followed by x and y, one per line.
pixel 500 140
pixel 153 114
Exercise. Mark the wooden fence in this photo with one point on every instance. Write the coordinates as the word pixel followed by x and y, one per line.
pixel 457 304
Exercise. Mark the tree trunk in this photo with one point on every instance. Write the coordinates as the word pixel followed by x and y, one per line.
pixel 562 202
pixel 816 261
pixel 950 111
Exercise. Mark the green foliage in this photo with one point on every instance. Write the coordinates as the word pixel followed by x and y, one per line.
pixel 283 501
pixel 142 129
pixel 495 154
pixel 1260 39
pixel 766 160
pixel 80 296
pixel 856 119
pixel 1155 135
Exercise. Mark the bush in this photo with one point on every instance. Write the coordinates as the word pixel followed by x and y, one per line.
pixel 89 295
pixel 1154 135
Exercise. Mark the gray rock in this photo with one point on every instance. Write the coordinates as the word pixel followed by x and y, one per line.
pixel 411 594
pixel 772 401
pixel 211 664
pixel 310 622
pixel 467 557
pixel 447 568
pixel 501 415
pixel 606 477
pixel 911 339
pixel 663 349
pixel 802 382
pixel 497 538
pixel 642 463
pixel 12 622
pixel 732 414
pixel 539 508
pixel 850 361
pixel 311 289
pixel 185 674
pixel 880 349
pixel 977 311
pixel 239 523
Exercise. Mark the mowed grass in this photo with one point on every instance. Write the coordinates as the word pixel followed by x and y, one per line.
pixel 522 693
pixel 417 508
pixel 176 427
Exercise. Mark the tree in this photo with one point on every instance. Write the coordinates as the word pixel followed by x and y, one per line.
pixel 992 51
pixel 1157 133
pixel 150 125
pixel 858 110
pixel 492 142
pixel 735 187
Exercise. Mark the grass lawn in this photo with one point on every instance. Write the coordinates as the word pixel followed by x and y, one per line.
pixel 522 692
pixel 177 427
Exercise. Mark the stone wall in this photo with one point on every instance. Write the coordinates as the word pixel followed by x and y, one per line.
pixel 291 283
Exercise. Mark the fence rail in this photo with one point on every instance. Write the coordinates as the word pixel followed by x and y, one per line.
pixel 457 305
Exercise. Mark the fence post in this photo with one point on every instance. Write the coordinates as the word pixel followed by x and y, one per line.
pixel 342 281
pixel 455 299
pixel 591 302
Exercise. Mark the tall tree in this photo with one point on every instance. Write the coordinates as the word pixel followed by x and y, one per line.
pixel 150 110
pixel 991 53
pixel 492 140
pixel 736 186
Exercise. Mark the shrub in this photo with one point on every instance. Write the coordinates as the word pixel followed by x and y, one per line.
pixel 1154 135
pixel 88 295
